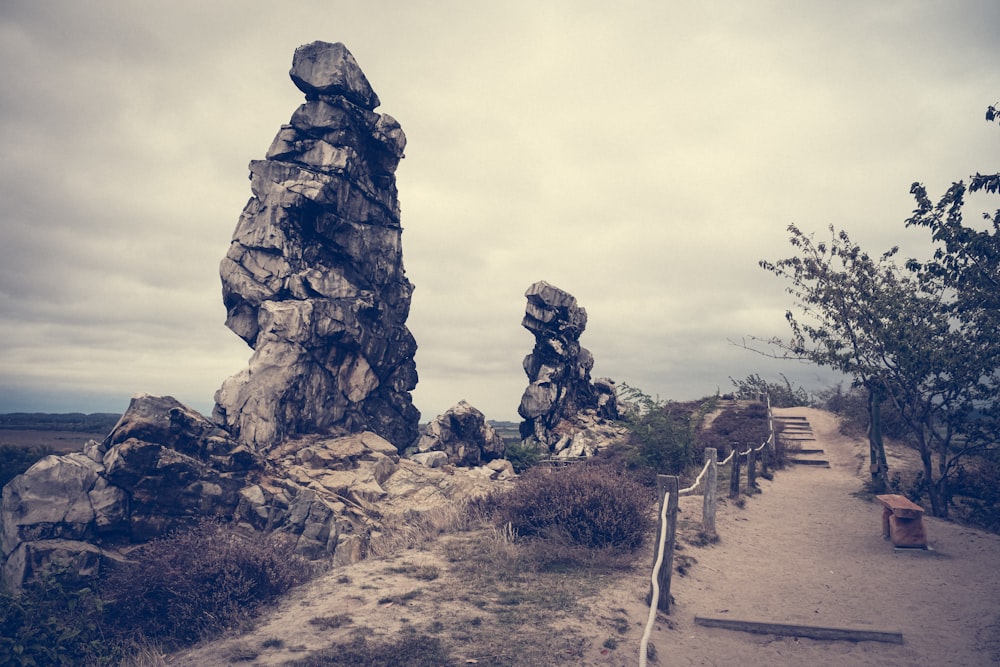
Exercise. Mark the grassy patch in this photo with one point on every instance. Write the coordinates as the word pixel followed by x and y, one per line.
pixel 330 622
pixel 420 572
pixel 409 650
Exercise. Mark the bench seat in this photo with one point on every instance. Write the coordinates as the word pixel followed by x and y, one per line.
pixel 902 521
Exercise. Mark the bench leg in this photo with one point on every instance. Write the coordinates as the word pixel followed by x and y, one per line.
pixel 886 513
pixel 907 532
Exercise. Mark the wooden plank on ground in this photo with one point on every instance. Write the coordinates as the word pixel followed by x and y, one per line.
pixel 810 462
pixel 810 631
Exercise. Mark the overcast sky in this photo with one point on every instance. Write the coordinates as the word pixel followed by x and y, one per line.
pixel 642 156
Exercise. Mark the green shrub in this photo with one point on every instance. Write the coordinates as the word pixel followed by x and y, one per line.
pixel 522 455
pixel 56 620
pixel 662 439
pixel 198 582
pixel 590 506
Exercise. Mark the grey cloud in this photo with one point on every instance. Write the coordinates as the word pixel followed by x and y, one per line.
pixel 643 157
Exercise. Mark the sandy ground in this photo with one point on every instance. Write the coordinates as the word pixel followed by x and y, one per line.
pixel 806 550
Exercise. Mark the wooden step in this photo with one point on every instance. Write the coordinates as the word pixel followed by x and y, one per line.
pixel 811 462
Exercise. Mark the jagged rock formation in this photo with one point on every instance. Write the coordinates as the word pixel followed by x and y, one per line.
pixel 463 435
pixel 306 440
pixel 561 404
pixel 160 468
pixel 164 466
pixel 314 279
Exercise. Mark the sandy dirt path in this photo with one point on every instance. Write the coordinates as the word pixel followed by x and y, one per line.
pixel 808 551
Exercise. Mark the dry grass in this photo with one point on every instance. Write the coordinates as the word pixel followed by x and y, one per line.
pixel 479 594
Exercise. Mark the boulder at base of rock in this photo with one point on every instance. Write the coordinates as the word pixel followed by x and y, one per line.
pixel 464 435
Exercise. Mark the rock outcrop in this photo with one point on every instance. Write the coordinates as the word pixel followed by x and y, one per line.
pixel 463 435
pixel 162 467
pixel 561 403
pixel 314 280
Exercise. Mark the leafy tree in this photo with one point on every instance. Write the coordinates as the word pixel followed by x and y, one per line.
pixel 845 300
pixel 922 337
pixel 966 268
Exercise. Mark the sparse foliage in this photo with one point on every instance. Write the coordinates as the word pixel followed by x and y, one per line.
pixel 782 394
pixel 412 650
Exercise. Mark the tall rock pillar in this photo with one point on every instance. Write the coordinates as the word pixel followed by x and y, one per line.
pixel 314 280
pixel 560 390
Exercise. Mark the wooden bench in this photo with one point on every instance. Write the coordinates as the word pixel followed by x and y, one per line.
pixel 902 521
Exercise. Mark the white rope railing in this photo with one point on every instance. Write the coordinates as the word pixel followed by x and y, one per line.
pixel 654 601
pixel 689 490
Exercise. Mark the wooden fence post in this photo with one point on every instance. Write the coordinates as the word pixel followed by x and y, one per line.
pixel 734 473
pixel 764 461
pixel 666 485
pixel 711 482
pixel 751 470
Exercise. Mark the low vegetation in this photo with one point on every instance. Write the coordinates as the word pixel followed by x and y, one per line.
pixel 172 592
pixel 197 582
pixel 584 505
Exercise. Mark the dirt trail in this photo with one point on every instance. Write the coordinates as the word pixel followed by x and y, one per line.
pixel 807 551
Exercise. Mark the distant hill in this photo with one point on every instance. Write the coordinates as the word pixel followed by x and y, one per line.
pixel 97 422
pixel 103 422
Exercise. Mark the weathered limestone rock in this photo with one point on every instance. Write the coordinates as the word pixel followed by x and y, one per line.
pixel 464 435
pixel 561 400
pixel 314 279
pixel 434 459
pixel 162 467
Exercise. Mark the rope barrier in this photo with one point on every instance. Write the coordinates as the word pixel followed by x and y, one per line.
pixel 654 601
pixel 697 481
pixel 655 595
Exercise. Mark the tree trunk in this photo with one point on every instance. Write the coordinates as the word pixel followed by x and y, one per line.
pixel 943 492
pixel 876 448
pixel 933 492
